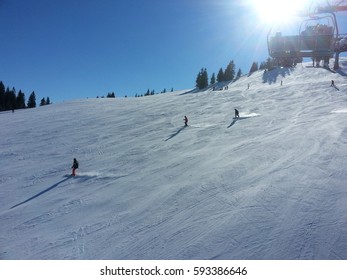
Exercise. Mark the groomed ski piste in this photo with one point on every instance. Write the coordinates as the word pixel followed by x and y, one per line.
pixel 270 186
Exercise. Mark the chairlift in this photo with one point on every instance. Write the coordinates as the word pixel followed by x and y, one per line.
pixel 316 39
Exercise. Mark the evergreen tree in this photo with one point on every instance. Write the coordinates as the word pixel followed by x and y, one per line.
pixel 213 79
pixel 32 100
pixel 2 96
pixel 43 102
pixel 111 95
pixel 48 101
pixel 229 72
pixel 198 80
pixel 10 99
pixel 20 102
pixel 202 79
pixel 220 76
pixel 254 67
pixel 13 100
pixel 239 74
pixel 6 99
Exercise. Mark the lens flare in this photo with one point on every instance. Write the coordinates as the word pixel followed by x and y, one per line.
pixel 277 11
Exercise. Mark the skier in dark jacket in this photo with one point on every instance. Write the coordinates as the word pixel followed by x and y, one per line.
pixel 236 114
pixel 74 167
pixel 185 121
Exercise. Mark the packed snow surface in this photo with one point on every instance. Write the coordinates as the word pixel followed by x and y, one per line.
pixel 269 185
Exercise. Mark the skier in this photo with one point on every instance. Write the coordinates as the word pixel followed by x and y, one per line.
pixel 236 114
pixel 185 121
pixel 74 167
pixel 332 83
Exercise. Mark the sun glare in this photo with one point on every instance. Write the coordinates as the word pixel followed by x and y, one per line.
pixel 278 11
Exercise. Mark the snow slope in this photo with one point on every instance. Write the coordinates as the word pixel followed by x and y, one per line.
pixel 271 185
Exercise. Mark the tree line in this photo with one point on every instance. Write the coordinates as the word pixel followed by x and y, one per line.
pixel 202 79
pixel 148 93
pixel 11 100
pixel 228 74
pixel 268 64
pixel 152 92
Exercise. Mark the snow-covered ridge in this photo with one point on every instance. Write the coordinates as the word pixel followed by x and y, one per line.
pixel 270 185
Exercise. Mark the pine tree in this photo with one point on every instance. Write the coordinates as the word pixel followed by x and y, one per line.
pixel 202 79
pixel 32 100
pixel 213 79
pixel 10 99
pixel 254 67
pixel 198 80
pixel 20 100
pixel 2 96
pixel 239 74
pixel 111 95
pixel 229 72
pixel 43 102
pixel 13 100
pixel 220 76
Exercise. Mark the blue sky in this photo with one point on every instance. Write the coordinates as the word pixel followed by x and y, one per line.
pixel 69 49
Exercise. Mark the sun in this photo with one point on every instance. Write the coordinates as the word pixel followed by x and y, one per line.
pixel 278 11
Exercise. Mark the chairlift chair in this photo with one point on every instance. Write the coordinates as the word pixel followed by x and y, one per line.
pixel 316 40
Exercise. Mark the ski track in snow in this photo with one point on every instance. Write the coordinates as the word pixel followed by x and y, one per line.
pixel 269 185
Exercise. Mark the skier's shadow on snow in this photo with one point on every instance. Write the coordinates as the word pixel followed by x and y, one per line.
pixel 233 122
pixel 174 134
pixel 41 193
pixel 239 119
pixel 335 87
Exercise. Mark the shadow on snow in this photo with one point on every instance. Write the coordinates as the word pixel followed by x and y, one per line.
pixel 271 76
pixel 335 87
pixel 41 193
pixel 233 122
pixel 242 118
pixel 174 134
